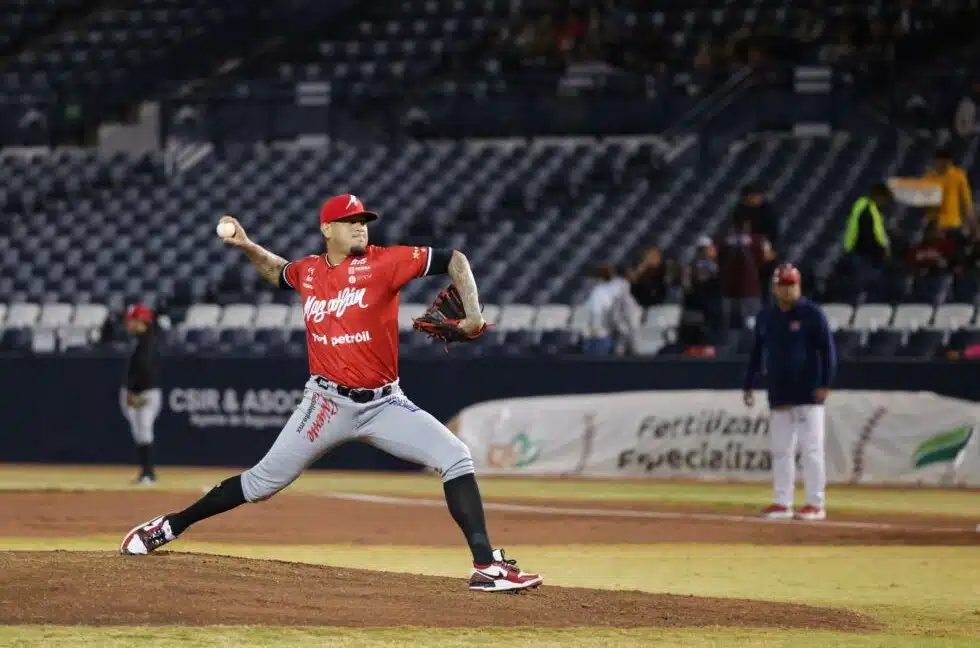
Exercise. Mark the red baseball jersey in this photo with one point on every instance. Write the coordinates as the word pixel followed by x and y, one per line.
pixel 351 311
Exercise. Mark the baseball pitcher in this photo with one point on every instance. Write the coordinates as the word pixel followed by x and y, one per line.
pixel 794 343
pixel 350 301
pixel 140 397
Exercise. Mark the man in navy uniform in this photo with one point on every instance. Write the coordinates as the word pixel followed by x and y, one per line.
pixel 795 348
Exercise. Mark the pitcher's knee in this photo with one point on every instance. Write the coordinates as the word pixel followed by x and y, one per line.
pixel 459 465
pixel 259 484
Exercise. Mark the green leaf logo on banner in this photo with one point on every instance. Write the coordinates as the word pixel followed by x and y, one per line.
pixel 944 446
pixel 527 450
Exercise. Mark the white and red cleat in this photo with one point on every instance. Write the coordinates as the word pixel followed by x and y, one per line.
pixel 501 575
pixel 811 513
pixel 147 537
pixel 777 512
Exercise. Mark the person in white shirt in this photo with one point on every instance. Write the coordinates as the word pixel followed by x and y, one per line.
pixel 613 314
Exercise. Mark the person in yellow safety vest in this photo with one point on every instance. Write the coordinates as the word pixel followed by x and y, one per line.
pixel 955 214
pixel 866 242
pixel 865 235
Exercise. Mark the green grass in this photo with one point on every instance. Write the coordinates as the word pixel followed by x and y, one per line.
pixel 15 637
pixel 744 497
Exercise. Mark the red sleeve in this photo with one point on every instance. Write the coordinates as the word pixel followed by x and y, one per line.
pixel 291 275
pixel 407 263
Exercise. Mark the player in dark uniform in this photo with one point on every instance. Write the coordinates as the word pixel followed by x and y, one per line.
pixel 140 396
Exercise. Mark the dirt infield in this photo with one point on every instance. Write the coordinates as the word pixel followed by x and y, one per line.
pixel 305 519
pixel 101 588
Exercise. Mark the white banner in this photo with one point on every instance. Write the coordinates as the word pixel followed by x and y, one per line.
pixel 879 437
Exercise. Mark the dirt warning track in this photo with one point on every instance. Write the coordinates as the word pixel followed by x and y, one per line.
pixel 370 519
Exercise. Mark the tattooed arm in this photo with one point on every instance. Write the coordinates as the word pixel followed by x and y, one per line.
pixel 462 278
pixel 268 264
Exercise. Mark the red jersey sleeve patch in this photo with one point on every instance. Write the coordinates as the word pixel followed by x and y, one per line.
pixel 292 273
pixel 407 263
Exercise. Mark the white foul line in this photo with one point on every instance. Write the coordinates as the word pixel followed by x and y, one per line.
pixel 643 515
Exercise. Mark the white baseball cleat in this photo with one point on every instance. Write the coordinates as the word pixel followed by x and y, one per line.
pixel 777 512
pixel 811 513
pixel 501 575
pixel 147 537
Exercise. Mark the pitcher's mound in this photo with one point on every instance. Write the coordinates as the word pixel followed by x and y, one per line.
pixel 101 588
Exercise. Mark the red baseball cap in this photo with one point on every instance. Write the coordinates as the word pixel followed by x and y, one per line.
pixel 140 312
pixel 786 275
pixel 343 206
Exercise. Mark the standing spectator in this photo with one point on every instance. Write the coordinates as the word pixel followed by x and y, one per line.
pixel 866 244
pixel 935 253
pixel 754 208
pixel 741 255
pixel 702 312
pixel 955 213
pixel 613 313
pixel 648 279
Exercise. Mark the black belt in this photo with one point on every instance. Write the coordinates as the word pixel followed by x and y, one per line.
pixel 356 395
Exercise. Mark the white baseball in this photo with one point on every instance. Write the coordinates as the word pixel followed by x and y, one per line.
pixel 226 229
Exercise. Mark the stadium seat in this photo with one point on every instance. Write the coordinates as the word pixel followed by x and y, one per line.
pixel 579 320
pixel 89 316
pixel 838 315
pixel 909 317
pixel 271 316
pixel 849 342
pixel 55 315
pixel 74 337
pixel 296 319
pixel 491 313
pixel 516 317
pixel 236 316
pixel 15 339
pixel 552 317
pixel 22 315
pixel 44 340
pixel 953 316
pixel 963 338
pixel 202 316
pixel 923 343
pixel 407 313
pixel 884 343
pixel 869 317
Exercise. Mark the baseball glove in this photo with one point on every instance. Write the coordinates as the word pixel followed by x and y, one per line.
pixel 440 321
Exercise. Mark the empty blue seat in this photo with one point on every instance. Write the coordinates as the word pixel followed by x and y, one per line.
pixel 17 339
pixel 883 343
pixel 923 343
pixel 848 342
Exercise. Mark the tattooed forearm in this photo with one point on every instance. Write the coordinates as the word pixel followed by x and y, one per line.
pixel 268 264
pixel 462 276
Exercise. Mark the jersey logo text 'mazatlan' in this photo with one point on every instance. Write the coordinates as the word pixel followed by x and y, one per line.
pixel 316 310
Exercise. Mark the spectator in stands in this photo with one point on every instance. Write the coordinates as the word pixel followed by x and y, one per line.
pixel 613 314
pixel 867 247
pixel 935 253
pixel 741 256
pixel 955 215
pixel 702 312
pixel 651 279
pixel 753 208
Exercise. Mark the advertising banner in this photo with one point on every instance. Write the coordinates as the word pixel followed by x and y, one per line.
pixel 871 437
